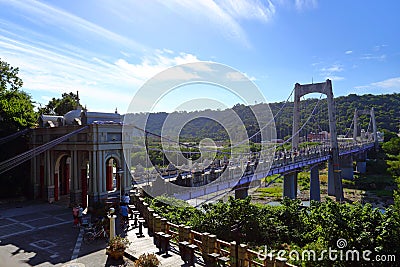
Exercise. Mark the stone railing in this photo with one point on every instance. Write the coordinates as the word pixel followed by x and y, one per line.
pixel 214 252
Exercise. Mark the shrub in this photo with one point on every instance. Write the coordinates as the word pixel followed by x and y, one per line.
pixel 147 260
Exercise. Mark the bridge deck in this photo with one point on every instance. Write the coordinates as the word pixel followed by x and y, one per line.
pixel 277 167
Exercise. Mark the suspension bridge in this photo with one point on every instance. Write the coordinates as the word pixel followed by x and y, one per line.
pixel 80 154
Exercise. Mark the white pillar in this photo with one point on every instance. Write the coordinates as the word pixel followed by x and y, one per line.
pixel 47 160
pixel 93 167
pixel 112 225
pixel 90 183
pixel 100 171
pixel 75 173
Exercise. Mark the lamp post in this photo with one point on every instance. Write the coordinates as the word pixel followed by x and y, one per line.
pixel 120 171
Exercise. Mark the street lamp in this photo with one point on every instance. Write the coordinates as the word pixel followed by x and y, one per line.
pixel 120 171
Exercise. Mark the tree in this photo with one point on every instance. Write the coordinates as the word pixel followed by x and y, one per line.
pixel 16 113
pixel 388 135
pixel 61 106
pixel 9 79
pixel 16 107
pixel 392 147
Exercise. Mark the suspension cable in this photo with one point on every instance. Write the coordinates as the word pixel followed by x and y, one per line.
pixel 13 136
pixel 241 142
pixel 21 158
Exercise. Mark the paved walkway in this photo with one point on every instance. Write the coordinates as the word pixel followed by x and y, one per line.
pixel 144 244
pixel 41 234
pixel 35 233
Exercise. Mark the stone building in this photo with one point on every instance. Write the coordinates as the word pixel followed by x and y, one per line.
pixel 89 166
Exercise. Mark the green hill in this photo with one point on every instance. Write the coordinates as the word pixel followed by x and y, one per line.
pixel 387 112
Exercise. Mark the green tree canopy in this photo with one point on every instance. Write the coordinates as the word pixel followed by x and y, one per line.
pixel 16 107
pixel 62 105
pixel 9 79
pixel 392 147
pixel 16 112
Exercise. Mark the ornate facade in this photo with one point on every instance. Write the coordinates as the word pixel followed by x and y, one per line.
pixel 89 166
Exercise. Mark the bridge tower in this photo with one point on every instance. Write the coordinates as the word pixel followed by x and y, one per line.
pixel 335 181
pixel 361 157
pixel 370 112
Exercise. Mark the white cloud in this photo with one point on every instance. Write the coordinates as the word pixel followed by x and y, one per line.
pixel 236 76
pixel 224 15
pixel 392 83
pixel 333 68
pixel 306 4
pixel 335 78
pixel 379 47
pixel 100 81
pixel 331 71
pixel 387 86
pixel 373 57
pixel 43 14
pixel 348 52
pixel 252 9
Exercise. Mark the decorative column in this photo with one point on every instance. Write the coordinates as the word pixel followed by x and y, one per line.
pixel 75 192
pixel 112 217
pixel 93 196
pixel 102 174
pixel 49 177
pixel 56 189
pixel 127 184
pixel 67 175
pixel 41 180
pixel 84 187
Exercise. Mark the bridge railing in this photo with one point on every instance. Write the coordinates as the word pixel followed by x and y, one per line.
pixel 205 246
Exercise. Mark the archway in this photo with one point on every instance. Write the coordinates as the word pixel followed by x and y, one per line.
pixel 62 177
pixel 112 181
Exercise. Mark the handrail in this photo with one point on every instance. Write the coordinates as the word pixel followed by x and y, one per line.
pixel 222 248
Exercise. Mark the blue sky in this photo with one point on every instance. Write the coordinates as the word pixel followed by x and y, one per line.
pixel 108 49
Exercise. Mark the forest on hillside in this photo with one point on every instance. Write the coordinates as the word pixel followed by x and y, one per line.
pixel 386 107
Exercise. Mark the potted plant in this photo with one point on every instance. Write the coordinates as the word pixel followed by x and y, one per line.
pixel 116 247
pixel 147 260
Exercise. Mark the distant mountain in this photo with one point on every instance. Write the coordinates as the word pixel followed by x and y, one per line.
pixel 386 107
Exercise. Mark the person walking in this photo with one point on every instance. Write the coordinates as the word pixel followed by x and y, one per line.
pixel 80 214
pixel 124 216
pixel 126 199
pixel 75 212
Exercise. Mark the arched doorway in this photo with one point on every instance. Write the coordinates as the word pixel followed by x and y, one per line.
pixel 112 181
pixel 62 177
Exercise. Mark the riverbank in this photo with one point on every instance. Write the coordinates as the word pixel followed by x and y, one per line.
pixel 376 189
